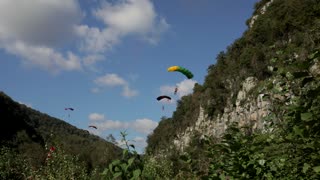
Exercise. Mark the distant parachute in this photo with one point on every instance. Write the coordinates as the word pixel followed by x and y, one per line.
pixel 163 97
pixel 93 127
pixel 71 109
pixel 183 70
pixel 68 108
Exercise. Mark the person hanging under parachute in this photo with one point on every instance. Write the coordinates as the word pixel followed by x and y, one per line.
pixel 182 70
pixel 159 98
pixel 68 109
pixel 175 90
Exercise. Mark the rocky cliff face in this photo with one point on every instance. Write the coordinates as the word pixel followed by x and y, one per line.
pixel 253 82
pixel 256 103
pixel 262 11
pixel 249 111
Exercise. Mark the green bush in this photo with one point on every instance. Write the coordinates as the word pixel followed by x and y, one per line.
pixel 157 168
pixel 12 165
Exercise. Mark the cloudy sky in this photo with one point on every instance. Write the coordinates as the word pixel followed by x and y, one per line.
pixel 108 59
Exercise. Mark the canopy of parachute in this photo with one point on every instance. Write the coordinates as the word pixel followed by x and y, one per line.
pixel 68 108
pixel 93 127
pixel 159 98
pixel 71 109
pixel 183 70
pixel 163 97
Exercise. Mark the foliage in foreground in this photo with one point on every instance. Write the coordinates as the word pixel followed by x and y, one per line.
pixel 128 167
pixel 288 147
pixel 281 39
pixel 59 166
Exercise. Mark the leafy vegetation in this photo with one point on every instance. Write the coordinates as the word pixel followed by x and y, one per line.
pixel 60 166
pixel 281 49
pixel 289 146
pixel 271 37
pixel 26 132
pixel 129 167
pixel 289 151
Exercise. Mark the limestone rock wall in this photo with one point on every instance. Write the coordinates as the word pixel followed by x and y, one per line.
pixel 262 11
pixel 249 110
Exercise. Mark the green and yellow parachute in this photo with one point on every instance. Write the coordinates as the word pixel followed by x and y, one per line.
pixel 184 71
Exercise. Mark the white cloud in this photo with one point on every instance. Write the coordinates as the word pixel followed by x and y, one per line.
pixel 110 80
pixel 92 59
pixel 121 143
pixel 123 18
pixel 139 142
pixel 144 125
pixel 127 92
pixel 113 80
pixel 42 22
pixel 110 124
pixel 32 30
pixel 96 117
pixel 185 87
pixel 157 31
pixel 42 32
pixel 130 16
pixel 95 40
pixel 139 139
pixel 44 57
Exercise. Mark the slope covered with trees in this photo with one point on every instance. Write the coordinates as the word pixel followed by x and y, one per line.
pixel 30 134
pixel 281 50
pixel 286 33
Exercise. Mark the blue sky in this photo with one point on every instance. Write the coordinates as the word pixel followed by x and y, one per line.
pixel 108 59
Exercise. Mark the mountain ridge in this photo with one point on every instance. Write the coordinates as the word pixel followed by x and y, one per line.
pixel 265 85
pixel 30 132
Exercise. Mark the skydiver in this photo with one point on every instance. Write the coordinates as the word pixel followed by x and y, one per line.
pixel 175 90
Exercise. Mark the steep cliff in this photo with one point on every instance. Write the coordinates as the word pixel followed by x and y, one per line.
pixel 253 82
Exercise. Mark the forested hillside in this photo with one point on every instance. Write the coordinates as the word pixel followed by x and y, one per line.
pixel 279 53
pixel 29 134
pixel 256 116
